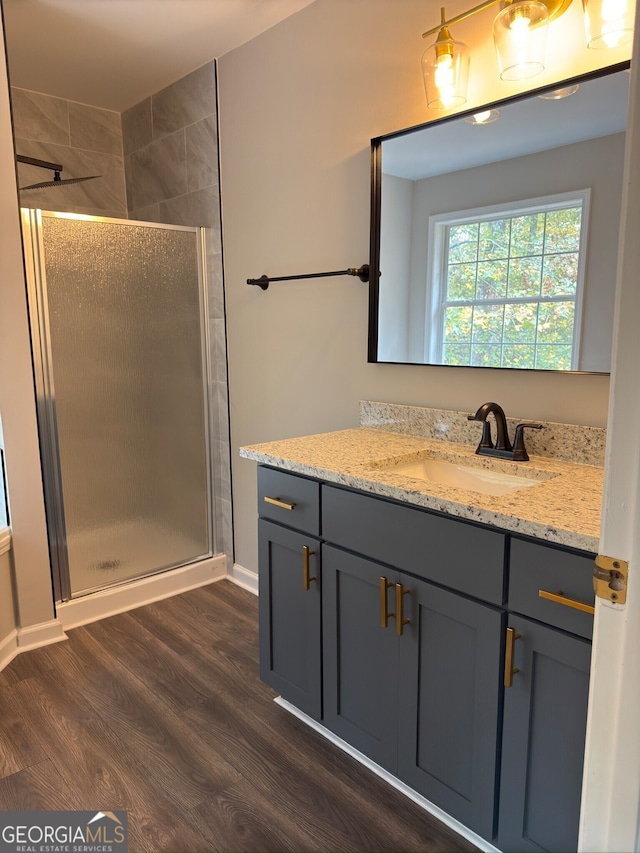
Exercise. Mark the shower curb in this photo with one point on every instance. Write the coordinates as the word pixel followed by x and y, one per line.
pixel 128 596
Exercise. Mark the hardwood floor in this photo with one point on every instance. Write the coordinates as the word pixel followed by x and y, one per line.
pixel 160 711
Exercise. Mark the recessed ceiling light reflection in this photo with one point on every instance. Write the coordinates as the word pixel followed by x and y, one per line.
pixel 485 117
pixel 558 94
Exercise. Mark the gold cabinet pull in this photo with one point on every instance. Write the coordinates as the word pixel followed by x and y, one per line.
pixel 384 613
pixel 560 598
pixel 509 670
pixel 306 579
pixel 400 620
pixel 277 502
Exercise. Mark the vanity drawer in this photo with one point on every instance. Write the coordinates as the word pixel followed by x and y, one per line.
pixel 535 567
pixel 453 553
pixel 289 499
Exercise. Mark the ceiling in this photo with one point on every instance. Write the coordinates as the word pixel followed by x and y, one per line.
pixel 525 126
pixel 114 53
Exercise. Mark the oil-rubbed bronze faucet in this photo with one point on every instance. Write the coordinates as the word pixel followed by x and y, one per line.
pixel 503 449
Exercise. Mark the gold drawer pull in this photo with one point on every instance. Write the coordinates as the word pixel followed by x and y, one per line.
pixel 278 502
pixel 560 598
pixel 306 579
pixel 384 613
pixel 400 621
pixel 509 670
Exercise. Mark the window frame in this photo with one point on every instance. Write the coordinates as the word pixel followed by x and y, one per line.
pixel 438 229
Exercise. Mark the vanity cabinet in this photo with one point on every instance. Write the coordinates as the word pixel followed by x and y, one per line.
pixel 289 587
pixel 389 624
pixel 545 706
pixel 421 696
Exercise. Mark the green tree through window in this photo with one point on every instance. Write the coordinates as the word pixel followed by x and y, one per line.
pixel 509 285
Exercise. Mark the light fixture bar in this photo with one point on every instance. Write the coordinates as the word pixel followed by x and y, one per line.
pixel 461 17
pixel 554 7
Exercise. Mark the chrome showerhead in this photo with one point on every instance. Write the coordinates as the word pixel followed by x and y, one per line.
pixel 56 168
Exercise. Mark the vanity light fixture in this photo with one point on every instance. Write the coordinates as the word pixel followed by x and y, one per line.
pixel 520 37
pixel 445 71
pixel 608 23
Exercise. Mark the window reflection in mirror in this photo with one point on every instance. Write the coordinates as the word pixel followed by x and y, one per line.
pixel 497 244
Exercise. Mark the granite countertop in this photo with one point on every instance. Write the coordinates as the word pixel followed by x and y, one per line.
pixel 564 507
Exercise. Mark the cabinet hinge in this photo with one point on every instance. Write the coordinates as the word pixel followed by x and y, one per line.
pixel 610 578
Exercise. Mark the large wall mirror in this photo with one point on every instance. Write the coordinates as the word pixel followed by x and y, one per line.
pixel 494 233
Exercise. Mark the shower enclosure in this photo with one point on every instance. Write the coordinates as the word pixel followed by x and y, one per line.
pixel 119 337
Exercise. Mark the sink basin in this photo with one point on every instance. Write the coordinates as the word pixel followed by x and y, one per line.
pixel 462 476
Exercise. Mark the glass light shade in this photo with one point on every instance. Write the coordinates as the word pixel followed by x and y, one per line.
pixel 520 37
pixel 445 71
pixel 608 23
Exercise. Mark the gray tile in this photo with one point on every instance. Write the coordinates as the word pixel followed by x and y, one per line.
pixel 227 528
pixel 184 102
pixel 202 154
pixel 225 469
pixel 223 412
pixel 136 126
pixel 146 214
pixel 215 287
pixel 198 208
pixel 110 214
pixel 217 525
pixel 95 129
pixel 39 200
pixel 40 117
pixel 157 172
pixel 217 351
pixel 104 193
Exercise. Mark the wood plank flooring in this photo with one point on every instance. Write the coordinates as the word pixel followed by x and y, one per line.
pixel 160 711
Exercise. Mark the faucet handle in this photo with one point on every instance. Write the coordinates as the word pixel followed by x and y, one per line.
pixel 519 451
pixel 486 440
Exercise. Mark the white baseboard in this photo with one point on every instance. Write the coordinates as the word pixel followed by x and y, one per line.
pixel 8 649
pixel 43 634
pixel 244 578
pixel 418 799
pixel 118 599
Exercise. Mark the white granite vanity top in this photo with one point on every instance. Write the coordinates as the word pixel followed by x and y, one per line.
pixel 564 507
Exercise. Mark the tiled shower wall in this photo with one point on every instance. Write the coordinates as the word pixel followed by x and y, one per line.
pixel 159 163
pixel 83 140
pixel 171 164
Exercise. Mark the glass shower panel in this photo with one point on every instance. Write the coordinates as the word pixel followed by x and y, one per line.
pixel 126 354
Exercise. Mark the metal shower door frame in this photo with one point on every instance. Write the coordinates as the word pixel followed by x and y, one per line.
pixel 35 271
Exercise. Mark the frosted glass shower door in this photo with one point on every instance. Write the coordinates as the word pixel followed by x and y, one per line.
pixel 122 346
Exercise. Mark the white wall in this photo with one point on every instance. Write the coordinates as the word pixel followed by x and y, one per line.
pixel 17 402
pixel 395 260
pixel 298 106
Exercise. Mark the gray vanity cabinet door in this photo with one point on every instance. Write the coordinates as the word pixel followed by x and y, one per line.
pixel 449 700
pixel 359 656
pixel 289 616
pixel 545 715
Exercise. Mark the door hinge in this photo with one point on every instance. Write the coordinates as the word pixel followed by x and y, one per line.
pixel 610 578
